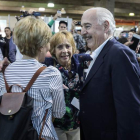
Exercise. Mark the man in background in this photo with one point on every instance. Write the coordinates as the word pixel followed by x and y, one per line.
pixel 62 26
pixel 7 38
pixel 79 40
pixel 10 47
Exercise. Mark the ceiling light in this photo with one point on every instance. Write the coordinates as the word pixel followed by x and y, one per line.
pixel 50 4
pixel 41 9
pixel 131 14
pixel 63 11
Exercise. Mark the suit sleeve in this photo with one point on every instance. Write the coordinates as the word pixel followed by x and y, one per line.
pixel 126 94
pixel 12 51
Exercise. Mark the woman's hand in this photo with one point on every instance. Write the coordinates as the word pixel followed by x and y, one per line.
pixel 65 87
pixel 4 62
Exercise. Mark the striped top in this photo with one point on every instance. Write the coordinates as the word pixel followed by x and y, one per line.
pixel 47 92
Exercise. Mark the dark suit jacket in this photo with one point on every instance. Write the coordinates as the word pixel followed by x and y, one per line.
pixel 12 50
pixel 110 98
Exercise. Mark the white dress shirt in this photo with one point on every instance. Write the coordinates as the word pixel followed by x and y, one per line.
pixel 19 56
pixel 95 54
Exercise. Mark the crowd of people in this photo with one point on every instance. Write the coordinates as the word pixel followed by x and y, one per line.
pixel 125 38
pixel 96 70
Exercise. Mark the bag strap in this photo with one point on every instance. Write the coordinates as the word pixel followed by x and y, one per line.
pixel 7 87
pixel 30 82
pixel 3 70
pixel 44 118
pixel 27 88
pixel 34 78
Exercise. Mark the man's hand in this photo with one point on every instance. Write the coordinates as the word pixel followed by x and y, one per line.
pixel 56 16
pixel 3 63
pixel 138 58
pixel 31 11
pixel 137 49
pixel 74 22
pixel 128 43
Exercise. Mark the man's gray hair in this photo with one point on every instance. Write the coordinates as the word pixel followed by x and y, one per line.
pixel 105 15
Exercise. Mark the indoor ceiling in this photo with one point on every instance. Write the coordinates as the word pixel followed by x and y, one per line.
pixel 74 8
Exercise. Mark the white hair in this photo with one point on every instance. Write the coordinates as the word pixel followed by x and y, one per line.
pixel 105 15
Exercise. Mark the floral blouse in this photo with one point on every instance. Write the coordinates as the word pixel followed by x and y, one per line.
pixel 74 83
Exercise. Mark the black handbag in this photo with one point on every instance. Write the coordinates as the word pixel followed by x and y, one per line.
pixel 15 114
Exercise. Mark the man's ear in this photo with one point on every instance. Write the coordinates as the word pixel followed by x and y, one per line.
pixel 106 26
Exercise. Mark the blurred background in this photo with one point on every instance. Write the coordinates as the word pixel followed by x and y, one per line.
pixel 126 12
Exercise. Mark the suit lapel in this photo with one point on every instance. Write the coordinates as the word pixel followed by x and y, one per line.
pixel 99 60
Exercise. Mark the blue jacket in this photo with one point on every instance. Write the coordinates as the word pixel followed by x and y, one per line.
pixel 12 50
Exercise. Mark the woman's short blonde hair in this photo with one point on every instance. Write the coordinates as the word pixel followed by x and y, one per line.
pixel 59 38
pixel 30 34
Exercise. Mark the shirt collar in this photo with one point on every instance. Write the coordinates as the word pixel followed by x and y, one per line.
pixel 97 51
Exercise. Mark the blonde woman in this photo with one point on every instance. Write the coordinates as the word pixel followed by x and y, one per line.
pixel 62 49
pixel 32 35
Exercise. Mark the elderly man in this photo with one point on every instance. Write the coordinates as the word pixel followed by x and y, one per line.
pixel 110 97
